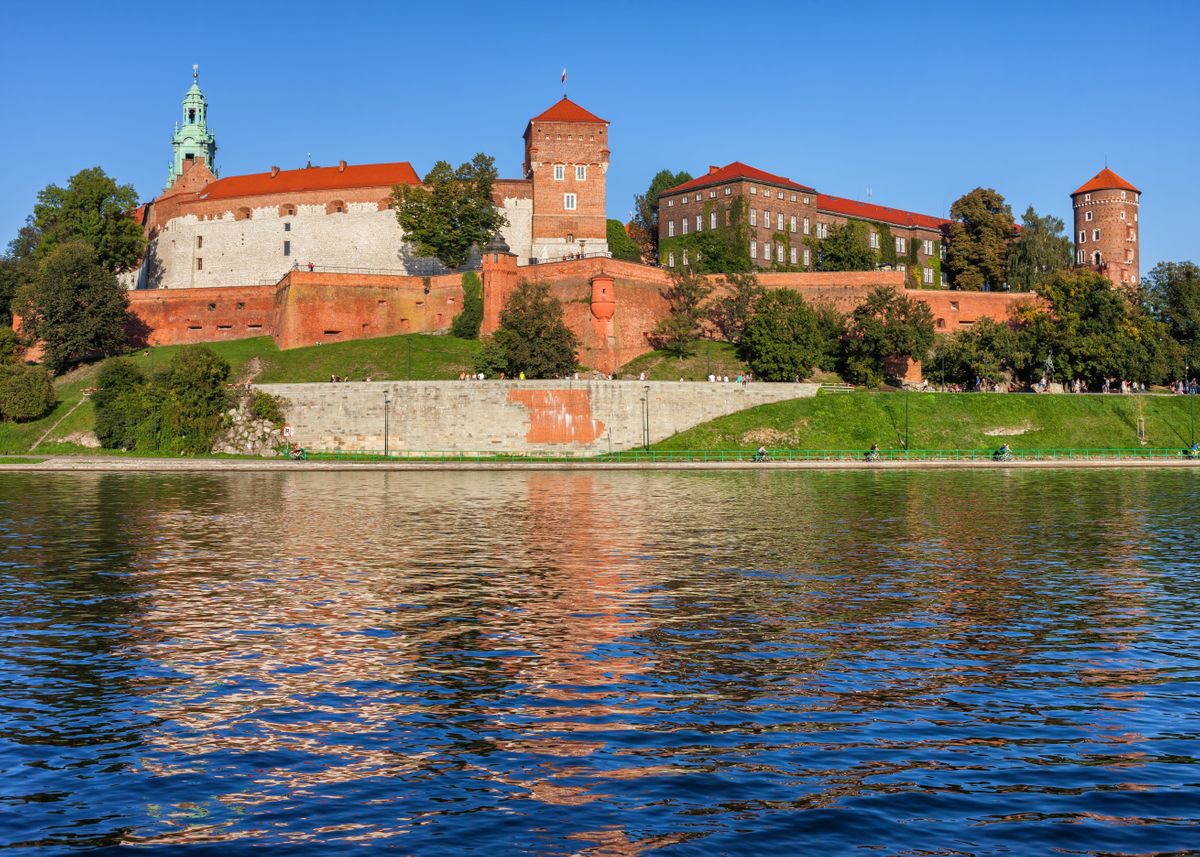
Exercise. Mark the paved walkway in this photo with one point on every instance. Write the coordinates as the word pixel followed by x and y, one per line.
pixel 66 464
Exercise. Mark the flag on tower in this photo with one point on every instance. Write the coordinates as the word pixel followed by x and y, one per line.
pixel 564 76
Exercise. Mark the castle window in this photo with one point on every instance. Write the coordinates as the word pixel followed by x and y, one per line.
pixel 1087 197
pixel 242 213
pixel 779 222
pixel 192 116
pixel 199 242
pixel 670 228
pixel 806 200
pixel 901 245
pixel 685 258
pixel 753 248
pixel 1096 258
pixel 754 217
pixel 792 228
pixel 766 251
pixel 872 240
pixel 1095 234
pixel 712 220
pixel 793 255
pixel 580 173
pixel 569 201
pixel 670 203
pixel 807 257
pixel 902 268
pixel 728 191
pixel 1135 217
pixel 685 225
pixel 806 226
pixel 1082 236
pixel 697 196
pixel 1132 235
pixel 927 276
pixel 754 191
pixel 779 252
pixel 335 207
pixel 287 210
pixel 683 200
pixel 927 248
pixel 287 248
pixel 287 227
pixel 670 260
pixel 822 230
pixel 712 194
pixel 1122 215
pixel 953 306
pixel 199 264
pixel 793 200
pixel 560 172
pixel 1122 194
pixel 1079 257
pixel 699 222
pixel 1087 215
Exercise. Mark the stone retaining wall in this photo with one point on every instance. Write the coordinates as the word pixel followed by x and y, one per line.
pixel 580 417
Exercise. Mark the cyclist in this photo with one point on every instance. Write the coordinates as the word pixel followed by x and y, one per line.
pixel 872 454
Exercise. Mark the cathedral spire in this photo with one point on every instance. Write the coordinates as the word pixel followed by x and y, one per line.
pixel 192 140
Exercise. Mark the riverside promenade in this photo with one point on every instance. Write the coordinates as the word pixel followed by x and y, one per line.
pixel 82 464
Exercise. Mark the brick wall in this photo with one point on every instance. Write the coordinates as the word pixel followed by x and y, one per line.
pixel 1116 220
pixel 205 315
pixel 557 231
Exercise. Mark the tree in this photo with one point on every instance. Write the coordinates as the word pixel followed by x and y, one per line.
pixel 682 324
pixel 1172 294
pixel 730 312
pixel 120 403
pixel 452 211
pixel 645 212
pixel 977 240
pixel 95 210
pixel 988 349
pixel 620 244
pixel 845 249
pixel 723 250
pixel 17 267
pixel 532 337
pixel 466 323
pixel 74 307
pixel 25 392
pixel 886 325
pixel 193 399
pixel 782 340
pixel 1041 249
pixel 831 326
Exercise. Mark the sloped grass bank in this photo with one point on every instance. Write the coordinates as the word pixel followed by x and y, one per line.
pixel 948 421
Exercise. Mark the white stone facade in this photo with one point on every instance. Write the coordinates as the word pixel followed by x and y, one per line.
pixel 518 234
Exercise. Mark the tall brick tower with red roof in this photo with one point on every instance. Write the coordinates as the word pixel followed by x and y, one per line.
pixel 1106 227
pixel 566 159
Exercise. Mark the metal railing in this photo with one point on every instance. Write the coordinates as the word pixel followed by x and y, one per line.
pixel 671 456
pixel 570 257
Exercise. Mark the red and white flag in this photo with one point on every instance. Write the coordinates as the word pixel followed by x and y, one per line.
pixel 564 77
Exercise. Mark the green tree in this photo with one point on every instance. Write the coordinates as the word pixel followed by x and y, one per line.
pixel 782 340
pixel 74 307
pixel 645 212
pixel 120 403
pixel 466 323
pixel 685 313
pixel 25 392
pixel 988 349
pixel 978 239
pixel 17 267
pixel 731 310
pixel 887 325
pixel 193 399
pixel 452 211
pixel 620 244
pixel 95 210
pixel 831 326
pixel 845 249
pixel 723 250
pixel 1041 249
pixel 1172 293
pixel 532 337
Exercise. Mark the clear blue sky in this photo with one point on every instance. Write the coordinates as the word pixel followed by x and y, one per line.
pixel 921 102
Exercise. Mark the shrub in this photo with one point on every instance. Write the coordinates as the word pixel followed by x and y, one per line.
pixel 121 404
pixel 25 393
pixel 466 324
pixel 194 400
pixel 264 406
pixel 781 338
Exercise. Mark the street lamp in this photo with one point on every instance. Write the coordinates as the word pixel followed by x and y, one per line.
pixel 646 417
pixel 386 409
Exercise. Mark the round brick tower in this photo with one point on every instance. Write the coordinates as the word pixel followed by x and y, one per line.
pixel 1106 227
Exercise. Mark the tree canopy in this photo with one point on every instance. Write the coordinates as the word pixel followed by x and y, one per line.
pixel 532 337
pixel 1172 293
pixel 844 249
pixel 782 339
pixel 620 244
pixel 978 239
pixel 92 209
pixel 452 211
pixel 886 325
pixel 730 312
pixel 1041 249
pixel 685 312
pixel 645 211
pixel 74 306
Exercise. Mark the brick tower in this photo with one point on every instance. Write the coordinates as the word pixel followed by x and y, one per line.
pixel 566 158
pixel 1106 227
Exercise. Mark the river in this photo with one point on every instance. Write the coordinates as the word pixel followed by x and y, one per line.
pixel 684 663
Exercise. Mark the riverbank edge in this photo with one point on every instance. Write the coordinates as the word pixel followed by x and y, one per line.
pixel 65 464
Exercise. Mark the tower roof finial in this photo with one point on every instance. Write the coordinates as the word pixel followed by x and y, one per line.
pixel 195 71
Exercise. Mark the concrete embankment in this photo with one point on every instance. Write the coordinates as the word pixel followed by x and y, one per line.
pixel 82 463
pixel 578 417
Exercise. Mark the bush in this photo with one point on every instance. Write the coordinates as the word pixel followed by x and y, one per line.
pixel 781 338
pixel 10 347
pixel 466 324
pixel 121 404
pixel 532 338
pixel 194 400
pixel 25 393
pixel 264 406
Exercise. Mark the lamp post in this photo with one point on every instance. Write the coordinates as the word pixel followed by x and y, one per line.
pixel 646 417
pixel 386 408
pixel 1187 391
pixel 408 342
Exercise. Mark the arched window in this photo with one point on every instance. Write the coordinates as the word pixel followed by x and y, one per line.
pixel 242 213
pixel 287 210
pixel 387 204
pixel 335 207
pixel 1096 258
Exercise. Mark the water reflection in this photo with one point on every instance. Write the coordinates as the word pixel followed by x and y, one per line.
pixel 601 663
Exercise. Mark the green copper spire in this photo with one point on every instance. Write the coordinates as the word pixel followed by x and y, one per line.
pixel 192 139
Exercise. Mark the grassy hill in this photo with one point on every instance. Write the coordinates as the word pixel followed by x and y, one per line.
pixel 383 359
pixel 717 358
pixel 948 421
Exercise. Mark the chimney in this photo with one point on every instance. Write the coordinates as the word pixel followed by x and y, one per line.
pixel 341 166
pixel 274 171
pixel 712 169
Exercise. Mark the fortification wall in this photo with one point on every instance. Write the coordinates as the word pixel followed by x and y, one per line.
pixel 204 315
pixel 582 418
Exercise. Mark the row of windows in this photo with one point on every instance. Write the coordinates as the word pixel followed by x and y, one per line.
pixel 822 229
pixel 1087 197
pixel 728 190
pixel 1087 216
pixel 336 206
pixel 560 172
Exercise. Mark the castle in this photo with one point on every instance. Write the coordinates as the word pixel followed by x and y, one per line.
pixel 249 230
pixel 316 254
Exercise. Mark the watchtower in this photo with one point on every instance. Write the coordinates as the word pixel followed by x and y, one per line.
pixel 1106 227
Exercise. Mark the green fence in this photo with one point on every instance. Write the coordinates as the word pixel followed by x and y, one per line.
pixel 669 456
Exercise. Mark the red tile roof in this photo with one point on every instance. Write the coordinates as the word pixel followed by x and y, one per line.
pixel 567 110
pixel 737 170
pixel 868 211
pixel 1106 179
pixel 312 178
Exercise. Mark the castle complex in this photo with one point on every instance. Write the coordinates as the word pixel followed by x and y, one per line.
pixel 316 254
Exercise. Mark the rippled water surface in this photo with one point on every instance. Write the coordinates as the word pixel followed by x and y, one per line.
pixel 601 663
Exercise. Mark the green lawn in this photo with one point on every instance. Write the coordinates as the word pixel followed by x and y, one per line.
pixel 948 421
pixel 386 358
pixel 717 358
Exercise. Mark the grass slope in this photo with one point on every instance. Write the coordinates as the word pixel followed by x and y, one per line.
pixel 717 358
pixel 947 421
pixel 383 359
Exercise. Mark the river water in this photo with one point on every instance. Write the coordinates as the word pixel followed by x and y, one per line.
pixel 995 662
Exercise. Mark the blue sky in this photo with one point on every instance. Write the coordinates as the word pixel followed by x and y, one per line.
pixel 919 102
